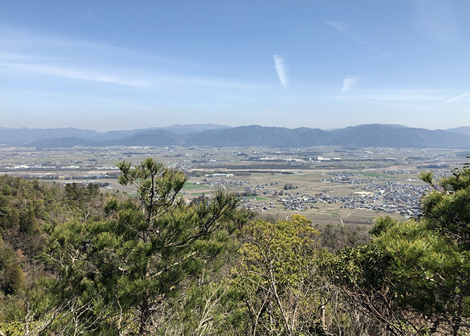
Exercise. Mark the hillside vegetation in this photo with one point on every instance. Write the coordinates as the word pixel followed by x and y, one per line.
pixel 75 261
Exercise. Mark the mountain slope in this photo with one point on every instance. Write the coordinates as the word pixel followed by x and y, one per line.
pixel 157 137
pixel 465 130
pixel 263 136
pixel 62 142
pixel 193 128
pixel 371 135
pixel 377 135
pixel 21 136
pixel 24 135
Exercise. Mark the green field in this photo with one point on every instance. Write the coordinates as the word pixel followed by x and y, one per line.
pixel 191 185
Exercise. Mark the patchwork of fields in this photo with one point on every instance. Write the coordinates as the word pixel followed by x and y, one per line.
pixel 329 185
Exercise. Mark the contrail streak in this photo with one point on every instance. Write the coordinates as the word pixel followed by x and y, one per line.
pixel 457 98
pixel 94 17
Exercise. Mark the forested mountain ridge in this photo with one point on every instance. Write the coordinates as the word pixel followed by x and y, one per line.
pixel 460 130
pixel 371 135
pixel 21 136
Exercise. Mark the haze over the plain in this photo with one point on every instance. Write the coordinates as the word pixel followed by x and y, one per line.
pixel 123 65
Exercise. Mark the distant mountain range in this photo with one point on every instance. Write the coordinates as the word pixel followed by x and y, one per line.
pixel 372 135
pixel 460 130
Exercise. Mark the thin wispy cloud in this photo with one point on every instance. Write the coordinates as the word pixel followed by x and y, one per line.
pixel 197 81
pixel 155 80
pixel 281 69
pixel 75 74
pixel 437 19
pixel 348 83
pixel 346 60
pixel 29 51
pixel 94 17
pixel 15 57
pixel 26 43
pixel 452 100
pixel 340 26
pixel 395 95
pixel 344 29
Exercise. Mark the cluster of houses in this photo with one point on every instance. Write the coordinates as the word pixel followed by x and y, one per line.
pixel 237 183
pixel 221 182
pixel 399 172
pixel 347 178
pixel 390 197
pixel 402 198
pixel 252 204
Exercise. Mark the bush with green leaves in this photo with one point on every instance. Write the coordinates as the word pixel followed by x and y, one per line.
pixel 278 278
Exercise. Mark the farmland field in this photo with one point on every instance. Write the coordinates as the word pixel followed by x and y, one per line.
pixel 359 185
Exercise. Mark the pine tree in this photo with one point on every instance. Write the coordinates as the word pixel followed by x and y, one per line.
pixel 29 223
pixel 136 258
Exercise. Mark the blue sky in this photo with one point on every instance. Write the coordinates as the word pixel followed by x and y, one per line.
pixel 109 65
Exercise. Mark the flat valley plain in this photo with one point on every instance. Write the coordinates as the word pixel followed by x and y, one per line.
pixel 329 185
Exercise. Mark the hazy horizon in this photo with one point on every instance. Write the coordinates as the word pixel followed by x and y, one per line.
pixel 218 126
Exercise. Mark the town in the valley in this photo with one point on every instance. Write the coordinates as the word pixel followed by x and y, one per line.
pixel 329 185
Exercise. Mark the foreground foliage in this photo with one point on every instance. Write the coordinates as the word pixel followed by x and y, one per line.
pixel 278 278
pixel 136 257
pixel 413 278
